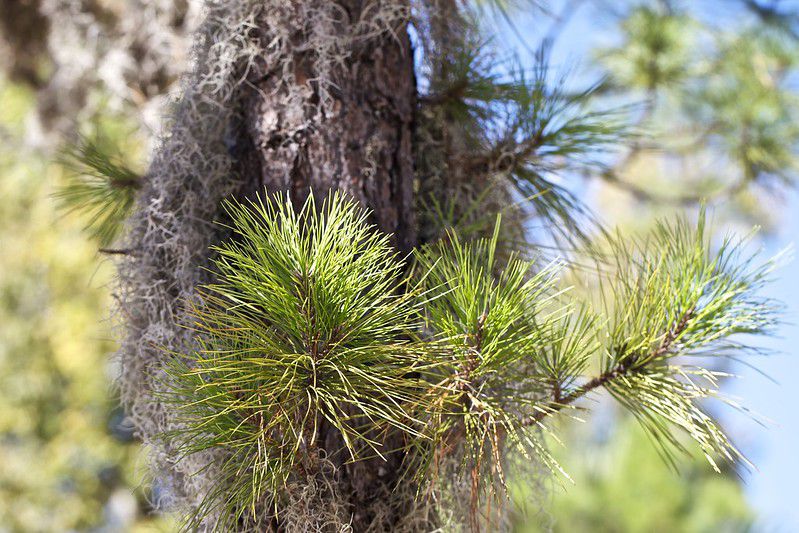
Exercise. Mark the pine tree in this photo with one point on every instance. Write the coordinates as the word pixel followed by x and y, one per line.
pixel 334 317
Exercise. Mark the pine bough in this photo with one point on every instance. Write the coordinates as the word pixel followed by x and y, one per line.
pixel 315 321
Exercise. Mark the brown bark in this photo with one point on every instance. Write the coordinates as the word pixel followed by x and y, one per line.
pixel 345 125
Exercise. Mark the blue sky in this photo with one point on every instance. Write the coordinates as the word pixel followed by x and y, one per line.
pixel 773 449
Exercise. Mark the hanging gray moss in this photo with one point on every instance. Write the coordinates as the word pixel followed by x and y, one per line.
pixel 169 234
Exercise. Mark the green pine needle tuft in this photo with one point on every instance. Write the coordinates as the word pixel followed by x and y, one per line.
pixel 306 334
pixel 673 306
pixel 495 318
pixel 100 186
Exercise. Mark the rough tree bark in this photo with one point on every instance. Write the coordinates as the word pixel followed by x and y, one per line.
pixel 345 125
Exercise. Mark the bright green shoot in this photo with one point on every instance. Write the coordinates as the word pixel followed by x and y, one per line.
pixel 673 305
pixel 495 319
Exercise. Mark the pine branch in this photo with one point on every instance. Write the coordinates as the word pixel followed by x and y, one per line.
pixel 628 364
pixel 490 316
pixel 100 186
pixel 115 251
pixel 669 296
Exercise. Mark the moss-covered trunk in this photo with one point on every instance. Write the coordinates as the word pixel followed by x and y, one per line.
pixel 285 95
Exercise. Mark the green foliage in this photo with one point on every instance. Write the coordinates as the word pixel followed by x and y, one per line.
pixel 717 103
pixel 306 327
pixel 672 302
pixel 514 130
pixel 314 327
pixel 101 186
pixel 655 50
pixel 67 463
pixel 546 131
pixel 748 105
pixel 493 319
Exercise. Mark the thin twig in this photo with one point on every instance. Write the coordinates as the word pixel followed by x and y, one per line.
pixel 116 251
pixel 640 193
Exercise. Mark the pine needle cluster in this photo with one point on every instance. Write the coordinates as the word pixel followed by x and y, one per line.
pixel 493 319
pixel 100 185
pixel 672 306
pixel 317 333
pixel 493 131
pixel 307 332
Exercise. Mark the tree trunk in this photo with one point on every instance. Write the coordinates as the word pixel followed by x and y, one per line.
pixel 340 120
pixel 344 122
pixel 291 96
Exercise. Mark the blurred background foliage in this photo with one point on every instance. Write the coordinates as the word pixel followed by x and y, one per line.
pixel 714 103
pixel 68 460
pixel 716 106
pixel 622 485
